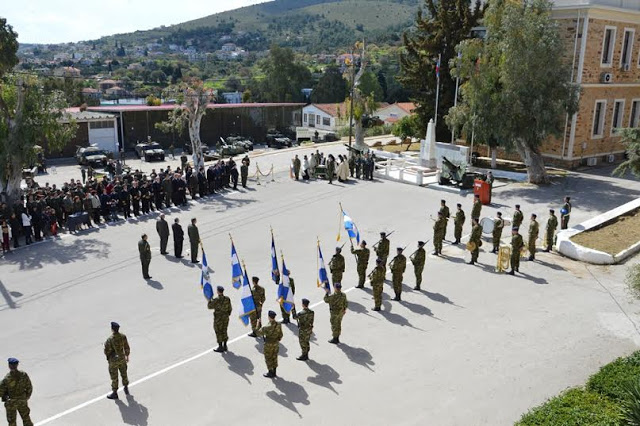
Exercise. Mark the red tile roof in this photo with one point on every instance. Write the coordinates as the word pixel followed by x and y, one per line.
pixel 169 107
pixel 332 109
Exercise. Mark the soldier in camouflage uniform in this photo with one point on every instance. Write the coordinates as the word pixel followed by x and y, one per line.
pixel 377 280
pixel 518 217
pixel 362 260
pixel 498 225
pixel 476 238
pixel 337 308
pixel 305 323
pixel 336 266
pixel 418 258
pixel 15 390
pixel 258 299
pixel 117 350
pixel 398 266
pixel 439 230
pixel 516 247
pixel 457 223
pixel 552 224
pixel 446 214
pixel 382 248
pixel 534 230
pixel 477 208
pixel 272 335
pixel 221 306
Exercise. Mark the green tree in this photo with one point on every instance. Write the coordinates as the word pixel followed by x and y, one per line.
pixel 8 47
pixel 369 85
pixel 631 141
pixel 518 87
pixel 408 127
pixel 246 96
pixel 437 31
pixel 284 76
pixel 174 124
pixel 331 87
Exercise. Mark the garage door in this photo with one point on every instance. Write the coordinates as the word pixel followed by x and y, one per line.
pixel 104 135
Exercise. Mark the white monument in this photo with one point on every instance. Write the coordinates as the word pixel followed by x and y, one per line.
pixel 428 147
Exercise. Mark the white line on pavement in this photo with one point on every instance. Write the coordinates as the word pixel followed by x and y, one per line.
pixel 151 376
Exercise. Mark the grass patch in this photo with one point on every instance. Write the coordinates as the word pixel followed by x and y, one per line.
pixel 613 379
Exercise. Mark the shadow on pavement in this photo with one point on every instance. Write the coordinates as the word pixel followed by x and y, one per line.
pixel 34 257
pixel 359 356
pixel 8 296
pixel 358 309
pixel 133 413
pixel 325 375
pixel 536 280
pixel 240 365
pixel 289 394
pixel 395 318
pixel 419 309
pixel 155 284
pixel 437 297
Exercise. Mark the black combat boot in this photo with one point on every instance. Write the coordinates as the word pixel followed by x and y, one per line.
pixel 417 288
pixel 376 308
pixel 252 334
pixel 274 373
pixel 113 395
pixel 511 272
pixel 531 258
pixel 225 346
pixel 334 341
pixel 269 374
pixel 303 357
pixel 126 389
pixel 219 349
pixel 286 320
pixel 471 262
pixel 435 253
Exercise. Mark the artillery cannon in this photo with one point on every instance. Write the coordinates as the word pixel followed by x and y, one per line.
pixel 456 175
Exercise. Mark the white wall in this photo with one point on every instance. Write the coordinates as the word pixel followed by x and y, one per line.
pixel 318 116
pixel 106 139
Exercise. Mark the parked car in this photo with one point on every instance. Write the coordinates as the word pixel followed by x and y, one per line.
pixel 150 151
pixel 247 144
pixel 331 137
pixel 92 156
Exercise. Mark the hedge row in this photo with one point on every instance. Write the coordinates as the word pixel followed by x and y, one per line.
pixel 608 399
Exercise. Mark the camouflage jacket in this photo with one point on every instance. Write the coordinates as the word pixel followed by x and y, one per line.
pixel 116 348
pixel 272 333
pixel 16 385
pixel 221 306
pixel 336 264
pixel 337 302
pixel 305 319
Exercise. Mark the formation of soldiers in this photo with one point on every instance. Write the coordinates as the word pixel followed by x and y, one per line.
pixel 115 196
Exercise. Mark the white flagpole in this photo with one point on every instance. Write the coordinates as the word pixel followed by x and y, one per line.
pixel 455 101
pixel 435 120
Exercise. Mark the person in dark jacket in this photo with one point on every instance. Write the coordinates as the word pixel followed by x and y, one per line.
pixel 178 238
pixel 162 227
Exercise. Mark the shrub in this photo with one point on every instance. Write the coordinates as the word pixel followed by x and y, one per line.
pixel 633 279
pixel 631 404
pixel 612 379
pixel 575 407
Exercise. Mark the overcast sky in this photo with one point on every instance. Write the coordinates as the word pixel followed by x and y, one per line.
pixel 58 21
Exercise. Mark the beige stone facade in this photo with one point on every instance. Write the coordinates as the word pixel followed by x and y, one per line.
pixel 602 39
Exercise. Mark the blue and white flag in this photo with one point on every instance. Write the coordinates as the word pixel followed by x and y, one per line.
pixel 236 269
pixel 247 304
pixel 275 269
pixel 351 227
pixel 205 280
pixel 323 278
pixel 285 294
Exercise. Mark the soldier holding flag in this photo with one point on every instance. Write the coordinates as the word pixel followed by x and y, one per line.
pixel 362 260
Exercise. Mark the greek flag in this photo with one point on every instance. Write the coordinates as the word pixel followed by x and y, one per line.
pixel 205 283
pixel 247 305
pixel 285 295
pixel 236 270
pixel 351 227
pixel 323 278
pixel 275 270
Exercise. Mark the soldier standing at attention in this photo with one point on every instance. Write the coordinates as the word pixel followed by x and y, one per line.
pixel 272 334
pixel 377 280
pixel 296 167
pixel 15 390
pixel 305 322
pixel 162 227
pixel 552 224
pixel 518 217
pixel 446 214
pixel 565 212
pixel 337 308
pixel 418 258
pixel 382 248
pixel 476 238
pixel 398 266
pixel 362 260
pixel 145 256
pixel 476 209
pixel 178 238
pixel 498 224
pixel 194 240
pixel 457 223
pixel 117 350
pixel 285 314
pixel 244 171
pixel 336 266
pixel 534 230
pixel 516 248
pixel 439 229
pixel 221 306
pixel 258 299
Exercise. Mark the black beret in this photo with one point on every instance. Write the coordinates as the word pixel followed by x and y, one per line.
pixel 115 324
pixel 272 314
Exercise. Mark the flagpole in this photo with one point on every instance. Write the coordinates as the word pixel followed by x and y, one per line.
pixel 255 307
pixel 293 308
pixel 435 120
pixel 273 240
pixel 340 222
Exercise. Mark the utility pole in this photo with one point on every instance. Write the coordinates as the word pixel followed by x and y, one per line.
pixel 353 88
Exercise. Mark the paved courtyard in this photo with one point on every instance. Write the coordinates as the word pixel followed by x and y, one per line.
pixel 473 348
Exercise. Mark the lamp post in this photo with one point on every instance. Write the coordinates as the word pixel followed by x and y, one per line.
pixel 353 83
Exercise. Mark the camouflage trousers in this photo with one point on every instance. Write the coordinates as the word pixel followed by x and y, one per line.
pixel 377 295
pixel 532 246
pixel 549 239
pixel 475 253
pixel 515 261
pixel 336 324
pixel 271 355
pixel 220 325
pixel 362 274
pixel 396 279
pixel 304 336
pixel 444 231
pixel 254 317
pixel 336 277
pixel 437 242
pixel 418 270
pixel 457 231
pixel 285 314
pixel 13 407
pixel 496 241
pixel 114 368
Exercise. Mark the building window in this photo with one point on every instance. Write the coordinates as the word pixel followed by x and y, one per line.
pixel 317 119
pixel 607 46
pixel 635 113
pixel 627 48
pixel 598 119
pixel 616 118
pixel 101 124
pixel 326 121
pixel 305 118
